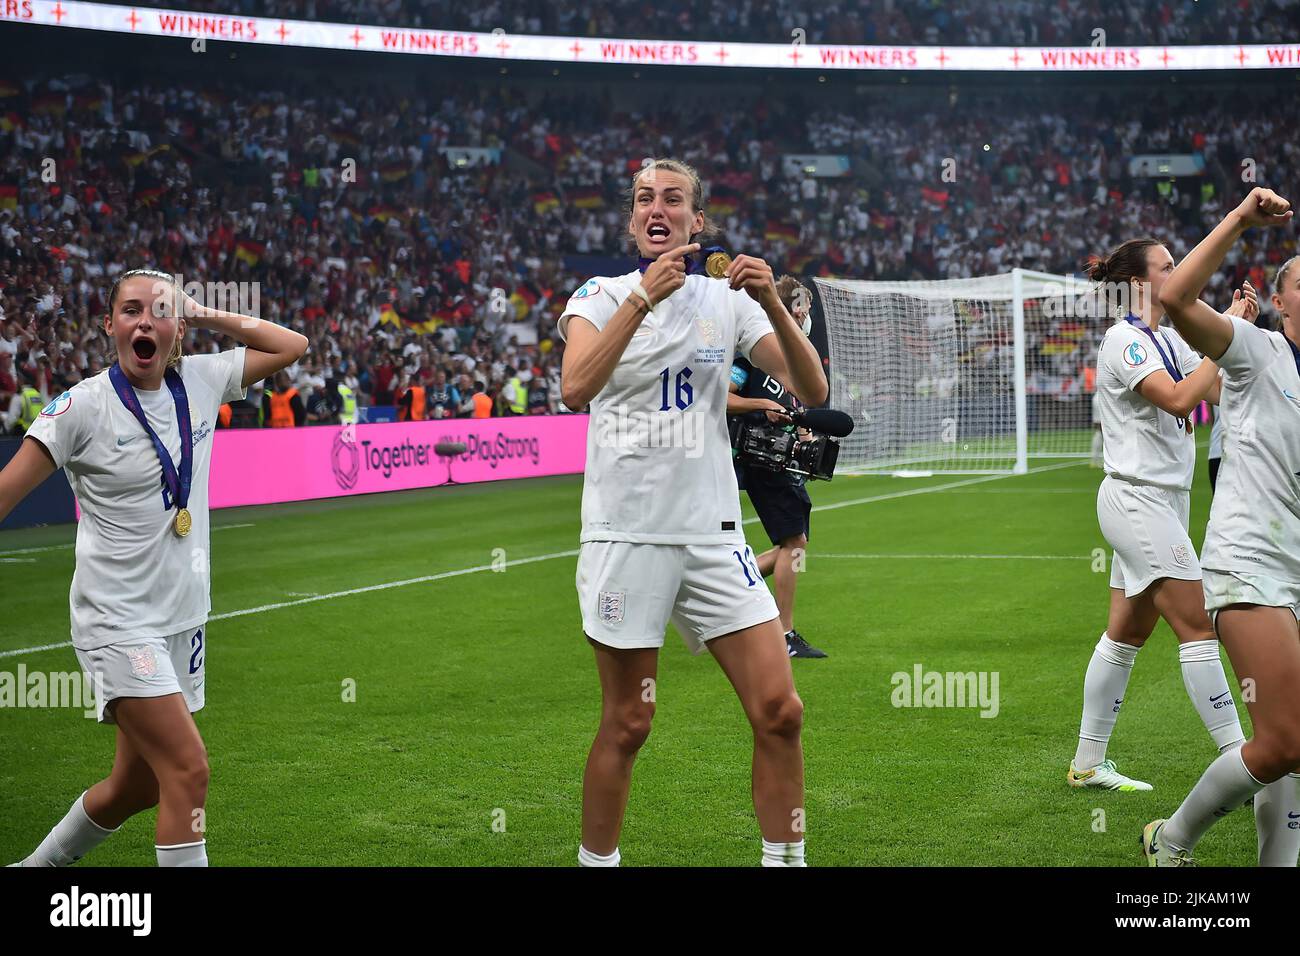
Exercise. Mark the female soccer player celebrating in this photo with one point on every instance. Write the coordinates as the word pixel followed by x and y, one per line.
pixel 140 597
pixel 1148 383
pixel 661 535
pixel 1252 546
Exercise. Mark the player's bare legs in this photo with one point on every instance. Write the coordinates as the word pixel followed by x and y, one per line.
pixel 165 735
pixel 1263 644
pixel 756 662
pixel 626 711
pixel 779 564
pixel 129 789
pixel 1131 620
pixel 1182 604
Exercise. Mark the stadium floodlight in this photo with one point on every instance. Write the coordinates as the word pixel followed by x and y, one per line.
pixel 962 376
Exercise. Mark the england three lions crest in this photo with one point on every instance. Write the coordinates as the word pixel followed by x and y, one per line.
pixel 710 350
pixel 610 606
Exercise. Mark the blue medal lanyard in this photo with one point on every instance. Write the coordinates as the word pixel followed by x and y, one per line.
pixel 1174 371
pixel 178 483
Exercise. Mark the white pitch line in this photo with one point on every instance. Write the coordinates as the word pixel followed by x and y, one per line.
pixel 443 575
pixel 73 544
pixel 17 560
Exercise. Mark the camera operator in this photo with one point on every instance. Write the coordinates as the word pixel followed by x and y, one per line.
pixel 780 498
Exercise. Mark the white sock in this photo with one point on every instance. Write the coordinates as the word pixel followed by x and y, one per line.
pixel 1103 692
pixel 1277 821
pixel 1225 786
pixel 587 858
pixel 783 854
pixel 1207 686
pixel 72 838
pixel 183 854
pixel 1098 458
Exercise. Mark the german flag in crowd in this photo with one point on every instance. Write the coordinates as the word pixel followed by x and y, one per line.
pixel 345 138
pixel 250 251
pixel 394 172
pixel 135 159
pixel 587 197
pixel 8 196
pixel 55 104
pixel 10 121
pixel 798 261
pixel 780 232
pixel 544 202
pixel 9 88
pixel 723 201
pixel 1058 346
pixel 384 212
pixel 149 194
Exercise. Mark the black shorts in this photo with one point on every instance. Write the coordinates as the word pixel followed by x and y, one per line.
pixel 783 506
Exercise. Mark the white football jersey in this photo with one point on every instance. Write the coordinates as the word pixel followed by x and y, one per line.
pixel 1140 441
pixel 658 455
pixel 1255 518
pixel 135 577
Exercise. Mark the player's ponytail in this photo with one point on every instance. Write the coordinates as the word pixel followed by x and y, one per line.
pixel 1115 272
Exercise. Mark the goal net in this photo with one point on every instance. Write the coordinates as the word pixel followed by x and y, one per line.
pixel 969 376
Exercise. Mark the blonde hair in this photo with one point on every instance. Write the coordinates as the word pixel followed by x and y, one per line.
pixel 179 346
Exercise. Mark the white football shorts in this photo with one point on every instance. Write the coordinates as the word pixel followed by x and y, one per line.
pixel 147 667
pixel 1147 528
pixel 629 591
pixel 1223 588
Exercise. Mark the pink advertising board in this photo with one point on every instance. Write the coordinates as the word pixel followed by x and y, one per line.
pixel 256 466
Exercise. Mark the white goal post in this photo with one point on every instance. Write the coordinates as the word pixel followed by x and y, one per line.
pixel 962 376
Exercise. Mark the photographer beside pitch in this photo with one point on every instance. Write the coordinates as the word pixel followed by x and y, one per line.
pixel 661 529
pixel 780 498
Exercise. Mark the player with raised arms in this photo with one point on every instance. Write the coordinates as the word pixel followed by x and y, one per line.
pixel 1252 546
pixel 661 524
pixel 136 443
pixel 1148 384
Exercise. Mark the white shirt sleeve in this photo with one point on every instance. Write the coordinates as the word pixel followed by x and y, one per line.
pixel 752 324
pixel 223 372
pixel 1131 357
pixel 66 425
pixel 596 301
pixel 1250 350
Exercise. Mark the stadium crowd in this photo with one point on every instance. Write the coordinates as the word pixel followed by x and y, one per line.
pixel 407 266
pixel 927 22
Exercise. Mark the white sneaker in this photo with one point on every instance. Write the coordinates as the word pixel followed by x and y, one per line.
pixel 1105 776
pixel 1159 853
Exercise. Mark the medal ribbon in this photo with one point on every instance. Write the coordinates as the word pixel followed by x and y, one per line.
pixel 178 485
pixel 694 264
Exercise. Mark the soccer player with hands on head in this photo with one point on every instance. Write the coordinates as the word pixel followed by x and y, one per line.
pixel 136 444
pixel 1252 546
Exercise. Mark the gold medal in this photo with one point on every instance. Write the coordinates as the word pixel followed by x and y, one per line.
pixel 183 522
pixel 717 264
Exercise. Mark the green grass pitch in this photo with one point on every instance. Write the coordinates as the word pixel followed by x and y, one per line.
pixel 476 695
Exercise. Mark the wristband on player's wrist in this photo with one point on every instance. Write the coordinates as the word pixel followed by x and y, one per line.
pixel 639 289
